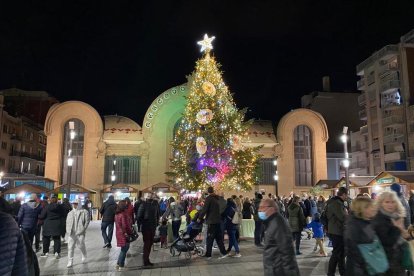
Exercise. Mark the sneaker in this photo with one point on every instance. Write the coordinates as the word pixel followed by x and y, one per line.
pixel 237 255
pixel 207 257
pixel 223 256
pixel 106 245
pixel 109 245
pixel 70 263
pixel 120 268
pixel 260 245
pixel 44 255
pixel 315 248
pixel 83 259
pixel 298 253
pixel 57 255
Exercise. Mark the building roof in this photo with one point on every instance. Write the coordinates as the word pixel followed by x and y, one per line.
pixel 27 188
pixel 120 128
pixel 361 181
pixel 262 132
pixel 327 183
pixel 75 188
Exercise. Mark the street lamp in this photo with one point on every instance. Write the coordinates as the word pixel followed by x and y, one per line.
pixel 113 176
pixel 276 177
pixel 345 162
pixel 70 158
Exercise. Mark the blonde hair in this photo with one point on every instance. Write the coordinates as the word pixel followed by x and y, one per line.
pixel 390 195
pixel 359 204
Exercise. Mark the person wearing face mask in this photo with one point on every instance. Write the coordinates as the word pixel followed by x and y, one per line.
pixel 174 211
pixel 278 255
pixel 148 217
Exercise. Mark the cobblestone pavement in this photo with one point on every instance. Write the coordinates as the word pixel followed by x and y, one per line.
pixel 102 261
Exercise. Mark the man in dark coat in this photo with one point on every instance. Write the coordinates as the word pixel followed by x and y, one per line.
pixel 28 216
pixel 13 258
pixel 258 223
pixel 148 217
pixel 212 213
pixel 278 254
pixel 16 208
pixel 52 226
pixel 108 219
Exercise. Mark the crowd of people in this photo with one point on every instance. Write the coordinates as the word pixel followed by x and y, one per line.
pixel 281 223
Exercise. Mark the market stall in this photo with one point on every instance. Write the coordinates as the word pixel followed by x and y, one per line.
pixel 120 192
pixel 163 190
pixel 76 192
pixel 24 191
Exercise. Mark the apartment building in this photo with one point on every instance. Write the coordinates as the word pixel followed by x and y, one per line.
pixel 386 141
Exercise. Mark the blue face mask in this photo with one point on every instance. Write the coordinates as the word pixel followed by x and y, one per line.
pixel 262 215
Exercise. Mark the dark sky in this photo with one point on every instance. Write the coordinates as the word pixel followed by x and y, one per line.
pixel 120 55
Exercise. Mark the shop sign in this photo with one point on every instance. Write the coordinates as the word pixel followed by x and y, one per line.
pixel 387 180
pixel 122 190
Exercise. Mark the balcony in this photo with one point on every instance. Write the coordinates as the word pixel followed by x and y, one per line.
pixel 362 99
pixel 359 147
pixel 364 130
pixel 370 79
pixel 387 51
pixel 16 137
pixel 363 115
pixel 27 155
pixel 389 86
pixel 387 68
pixel 375 145
pixel 394 138
pixel 394 156
pixel 392 120
pixel 358 165
pixel 361 84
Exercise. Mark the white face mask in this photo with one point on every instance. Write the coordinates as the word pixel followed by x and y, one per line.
pixel 198 207
pixel 172 204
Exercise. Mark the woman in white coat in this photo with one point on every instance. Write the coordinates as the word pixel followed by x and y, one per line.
pixel 76 224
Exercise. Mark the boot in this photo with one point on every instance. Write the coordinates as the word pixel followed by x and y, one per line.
pixel 70 262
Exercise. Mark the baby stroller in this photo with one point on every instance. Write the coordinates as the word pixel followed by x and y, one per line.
pixel 186 243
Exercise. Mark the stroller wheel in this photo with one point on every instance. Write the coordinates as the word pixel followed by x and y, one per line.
pixel 200 251
pixel 188 255
pixel 172 251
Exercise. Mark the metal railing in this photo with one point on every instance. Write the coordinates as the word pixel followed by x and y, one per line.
pixel 27 155
pixel 389 85
pixel 391 120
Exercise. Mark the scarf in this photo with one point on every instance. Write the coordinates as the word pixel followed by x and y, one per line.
pixel 394 215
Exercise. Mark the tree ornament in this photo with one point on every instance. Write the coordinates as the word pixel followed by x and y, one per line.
pixel 201 145
pixel 206 43
pixel 209 88
pixel 235 141
pixel 204 116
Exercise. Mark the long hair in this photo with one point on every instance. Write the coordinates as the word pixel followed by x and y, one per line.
pixel 122 206
pixel 359 204
pixel 393 196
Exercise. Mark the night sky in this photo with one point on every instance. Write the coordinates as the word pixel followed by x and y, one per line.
pixel 118 56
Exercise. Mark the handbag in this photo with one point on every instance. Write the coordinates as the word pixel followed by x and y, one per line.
pixel 407 255
pixel 133 236
pixel 236 217
pixel 374 256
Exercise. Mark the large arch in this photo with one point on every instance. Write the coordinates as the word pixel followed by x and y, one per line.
pixel 93 163
pixel 158 127
pixel 286 157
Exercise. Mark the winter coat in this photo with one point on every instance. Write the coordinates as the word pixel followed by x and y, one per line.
pixel 28 215
pixel 123 227
pixel 149 215
pixel 411 205
pixel 108 210
pixel 278 254
pixel 307 209
pixel 67 208
pixel 407 219
pixel 317 229
pixel 5 206
pixel 296 218
pixel 320 205
pixel 229 213
pixel 130 212
pixel 52 216
pixel 77 222
pixel 246 211
pixel 314 208
pixel 357 231
pixel 211 210
pixel 336 214
pixel 13 258
pixel 390 237
pixel 175 211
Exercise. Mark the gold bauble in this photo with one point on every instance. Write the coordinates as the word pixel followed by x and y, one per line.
pixel 209 88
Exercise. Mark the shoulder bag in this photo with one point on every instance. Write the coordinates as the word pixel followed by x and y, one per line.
pixel 374 257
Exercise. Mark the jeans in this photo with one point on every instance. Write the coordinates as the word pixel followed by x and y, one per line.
pixel 37 236
pixel 338 255
pixel 258 232
pixel 110 226
pixel 214 233
pixel 30 233
pixel 296 237
pixel 232 240
pixel 148 237
pixel 122 255
pixel 176 228
pixel 56 244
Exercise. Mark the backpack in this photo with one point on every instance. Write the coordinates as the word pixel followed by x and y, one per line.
pixel 324 216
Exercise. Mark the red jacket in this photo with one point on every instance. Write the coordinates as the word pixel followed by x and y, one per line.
pixel 123 226
pixel 130 212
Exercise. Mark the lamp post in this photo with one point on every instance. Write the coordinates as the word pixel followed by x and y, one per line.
pixel 345 162
pixel 276 177
pixel 113 176
pixel 70 158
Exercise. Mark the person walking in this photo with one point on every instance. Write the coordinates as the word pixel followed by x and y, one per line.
pixel 317 229
pixel 123 230
pixel 108 218
pixel 43 203
pixel 67 208
pixel 397 189
pixel 358 231
pixel 320 204
pixel 258 227
pixel 174 211
pixel 336 214
pixel 278 254
pixel 52 227
pixel 388 224
pixel 148 217
pixel 230 212
pixel 296 222
pixel 77 222
pixel 130 209
pixel 247 210
pixel 13 255
pixel 28 216
pixel 211 212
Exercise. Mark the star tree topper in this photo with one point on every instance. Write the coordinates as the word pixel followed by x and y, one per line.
pixel 206 43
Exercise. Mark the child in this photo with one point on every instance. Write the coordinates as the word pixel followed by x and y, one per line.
pixel 163 230
pixel 317 228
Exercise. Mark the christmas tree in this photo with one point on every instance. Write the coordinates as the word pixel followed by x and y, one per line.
pixel 207 147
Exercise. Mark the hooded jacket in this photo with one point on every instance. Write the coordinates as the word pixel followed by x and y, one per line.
pixel 108 210
pixel 28 215
pixel 77 221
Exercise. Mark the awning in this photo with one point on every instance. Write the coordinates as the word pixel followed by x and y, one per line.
pixel 28 188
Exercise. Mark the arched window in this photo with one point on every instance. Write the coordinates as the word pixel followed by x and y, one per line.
pixel 303 156
pixel 72 148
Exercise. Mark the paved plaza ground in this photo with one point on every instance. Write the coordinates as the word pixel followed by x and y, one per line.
pixel 102 261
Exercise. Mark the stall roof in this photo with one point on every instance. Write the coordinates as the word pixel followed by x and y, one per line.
pixel 361 181
pixel 78 188
pixel 406 176
pixel 28 188
pixel 327 183
pixel 119 186
pixel 160 185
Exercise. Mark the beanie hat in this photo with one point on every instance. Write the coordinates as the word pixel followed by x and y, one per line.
pixel 396 188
